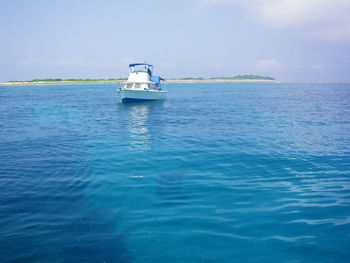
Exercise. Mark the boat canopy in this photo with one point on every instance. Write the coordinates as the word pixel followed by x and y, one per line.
pixel 140 64
pixel 141 67
pixel 156 79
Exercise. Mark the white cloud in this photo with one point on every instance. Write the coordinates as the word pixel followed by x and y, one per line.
pixel 73 61
pixel 214 66
pixel 325 19
pixel 268 64
pixel 214 2
pixel 127 60
pixel 318 66
pixel 30 61
pixel 30 58
pixel 68 61
pixel 168 64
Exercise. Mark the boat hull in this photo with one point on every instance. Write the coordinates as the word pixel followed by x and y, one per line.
pixel 132 95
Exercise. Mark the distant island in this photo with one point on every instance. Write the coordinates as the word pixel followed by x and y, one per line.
pixel 238 78
pixel 67 80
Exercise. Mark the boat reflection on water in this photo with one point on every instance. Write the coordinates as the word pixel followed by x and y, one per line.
pixel 137 118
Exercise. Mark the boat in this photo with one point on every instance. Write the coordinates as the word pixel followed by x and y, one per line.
pixel 142 85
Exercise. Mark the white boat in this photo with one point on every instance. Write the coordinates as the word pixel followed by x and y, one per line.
pixel 142 85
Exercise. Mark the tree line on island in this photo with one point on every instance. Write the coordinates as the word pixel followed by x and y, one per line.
pixel 238 77
pixel 70 80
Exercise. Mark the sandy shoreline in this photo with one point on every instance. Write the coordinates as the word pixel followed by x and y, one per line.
pixel 31 83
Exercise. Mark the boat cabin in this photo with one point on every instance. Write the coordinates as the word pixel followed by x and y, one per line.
pixel 141 77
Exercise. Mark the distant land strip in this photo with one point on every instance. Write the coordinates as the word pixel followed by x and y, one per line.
pixel 239 78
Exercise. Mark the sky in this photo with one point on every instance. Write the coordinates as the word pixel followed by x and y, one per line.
pixel 301 40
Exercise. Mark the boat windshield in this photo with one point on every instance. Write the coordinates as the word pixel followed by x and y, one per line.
pixel 141 68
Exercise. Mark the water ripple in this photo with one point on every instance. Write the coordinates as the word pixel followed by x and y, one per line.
pixel 244 172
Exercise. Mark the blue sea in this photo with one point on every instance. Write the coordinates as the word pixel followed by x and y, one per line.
pixel 219 172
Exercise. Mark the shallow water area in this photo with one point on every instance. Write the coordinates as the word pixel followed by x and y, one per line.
pixel 219 172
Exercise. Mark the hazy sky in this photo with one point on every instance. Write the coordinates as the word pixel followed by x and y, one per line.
pixel 285 39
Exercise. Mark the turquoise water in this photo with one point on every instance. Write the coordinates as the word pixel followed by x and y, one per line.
pixel 231 172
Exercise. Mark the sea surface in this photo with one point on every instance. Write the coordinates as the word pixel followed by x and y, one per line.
pixel 219 172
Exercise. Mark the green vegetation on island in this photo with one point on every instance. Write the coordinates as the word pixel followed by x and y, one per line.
pixel 190 78
pixel 238 77
pixel 247 77
pixel 68 80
